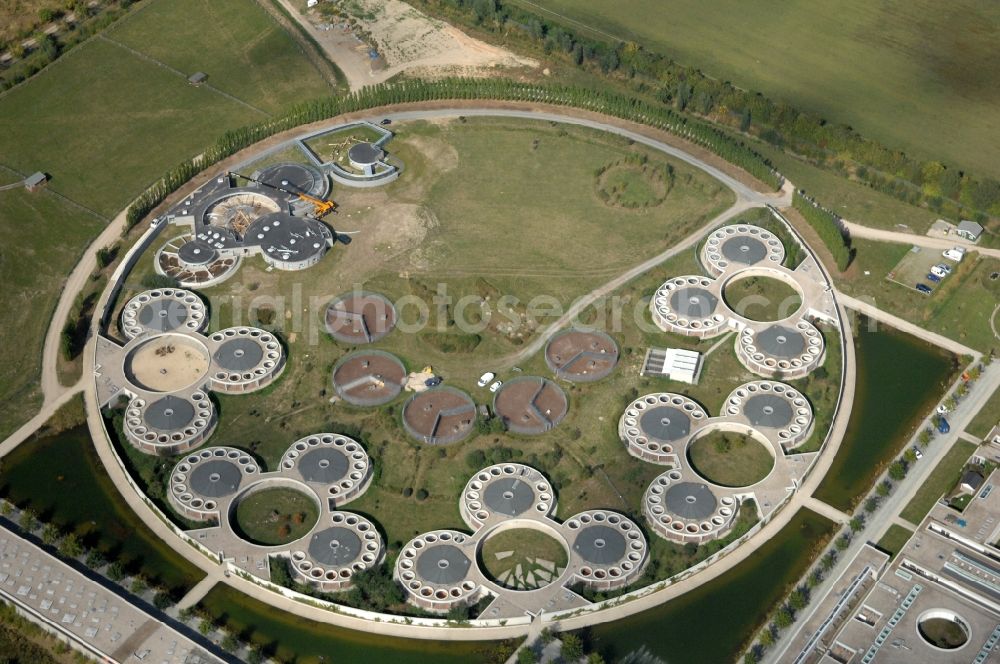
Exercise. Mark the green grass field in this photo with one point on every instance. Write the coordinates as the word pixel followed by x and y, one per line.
pixel 940 481
pixel 987 418
pixel 730 459
pixel 918 75
pixel 762 298
pixel 276 516
pixel 894 539
pixel 41 239
pixel 510 556
pixel 960 307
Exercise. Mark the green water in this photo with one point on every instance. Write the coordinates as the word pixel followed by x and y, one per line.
pixel 712 622
pixel 899 379
pixel 289 639
pixel 61 478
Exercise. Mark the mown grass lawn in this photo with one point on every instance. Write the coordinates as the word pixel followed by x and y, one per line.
pixel 942 479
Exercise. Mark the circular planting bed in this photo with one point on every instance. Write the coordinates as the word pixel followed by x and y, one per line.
pixel 523 558
pixel 275 516
pixel 730 459
pixel 943 629
pixel 762 298
pixel 634 183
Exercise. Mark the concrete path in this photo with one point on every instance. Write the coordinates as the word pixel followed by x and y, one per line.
pixel 198 592
pixel 868 233
pixel 829 511
pixel 906 326
pixel 888 512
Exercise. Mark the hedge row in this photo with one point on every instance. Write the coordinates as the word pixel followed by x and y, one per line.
pixel 829 227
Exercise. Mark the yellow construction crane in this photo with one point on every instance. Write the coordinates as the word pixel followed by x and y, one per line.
pixel 321 206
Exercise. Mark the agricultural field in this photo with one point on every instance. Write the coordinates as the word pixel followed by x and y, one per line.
pixel 961 307
pixel 133 118
pixel 33 267
pixel 915 75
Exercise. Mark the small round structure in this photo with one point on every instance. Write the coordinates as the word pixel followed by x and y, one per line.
pixel 504 491
pixel 337 464
pixel 335 554
pixel 236 212
pixel 530 405
pixel 300 178
pixel 654 425
pixel 360 318
pixel 368 378
pixel 690 306
pixel 435 569
pixel 781 350
pixel 609 550
pixel 194 262
pixel 200 482
pixel 365 156
pixel 775 408
pixel 439 416
pixel 163 310
pixel 581 355
pixel 245 359
pixel 741 245
pixel 290 243
pixel 684 511
pixel 169 424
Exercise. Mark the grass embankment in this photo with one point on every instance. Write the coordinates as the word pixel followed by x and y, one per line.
pixel 941 480
pixel 894 539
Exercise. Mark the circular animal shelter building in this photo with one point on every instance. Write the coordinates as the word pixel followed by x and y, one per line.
pixel 360 318
pixel 440 415
pixel 581 355
pixel 530 405
pixel 368 378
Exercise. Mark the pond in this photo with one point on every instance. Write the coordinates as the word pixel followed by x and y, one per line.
pixel 899 379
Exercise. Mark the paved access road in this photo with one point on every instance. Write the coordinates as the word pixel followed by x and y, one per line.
pixel 868 233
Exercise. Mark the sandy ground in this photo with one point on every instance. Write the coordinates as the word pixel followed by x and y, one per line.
pixel 406 40
pixel 168 366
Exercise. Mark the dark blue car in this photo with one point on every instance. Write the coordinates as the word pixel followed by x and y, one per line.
pixel 933 277
pixel 924 288
pixel 943 426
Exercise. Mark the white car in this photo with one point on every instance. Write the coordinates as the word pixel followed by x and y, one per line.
pixel 496 385
pixel 918 454
pixel 485 379
pixel 942 409
pixel 938 272
pixel 944 267
pixel 954 254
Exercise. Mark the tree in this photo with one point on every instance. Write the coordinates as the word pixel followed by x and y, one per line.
pixel 28 521
pixel 857 524
pixel 95 559
pixel 71 547
pixel 230 643
pixel 5 508
pixel 783 618
pixel 910 455
pixel 526 656
pixel 204 626
pixel 883 489
pixel 797 600
pixel 925 437
pixel 50 534
pixel 138 585
pixel 897 470
pixel 572 647
pixel 767 637
pixel 871 504
pixel 116 571
pixel 842 542
pixel 162 599
pixel 595 658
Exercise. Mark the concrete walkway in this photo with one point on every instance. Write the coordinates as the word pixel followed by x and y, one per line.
pixel 874 312
pixel 868 233
pixel 829 511
pixel 198 592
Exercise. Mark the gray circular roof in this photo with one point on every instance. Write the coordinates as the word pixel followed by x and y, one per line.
pixel 162 315
pixel 509 495
pixel 239 354
pixel 768 410
pixel 442 564
pixel 294 177
pixel 665 423
pixel 693 302
pixel 364 153
pixel 600 545
pixel 781 341
pixel 169 413
pixel 215 478
pixel 284 237
pixel 324 465
pixel 690 500
pixel 337 546
pixel 197 252
pixel 743 249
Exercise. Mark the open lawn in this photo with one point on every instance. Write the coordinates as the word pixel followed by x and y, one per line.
pixel 960 307
pixel 762 298
pixel 941 481
pixel 730 459
pixel 276 516
pixel 917 75
pixel 894 539
pixel 987 418
pixel 132 119
pixel 41 239
pixel 242 49
pixel 523 557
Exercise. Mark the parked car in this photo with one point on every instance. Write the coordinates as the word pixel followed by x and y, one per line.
pixel 386 121
pixel 944 267
pixel 433 381
pixel 933 277
pixel 938 272
pixel 942 409
pixel 924 288
pixel 496 385
pixel 943 426
pixel 485 379
pixel 918 453
pixel 954 254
